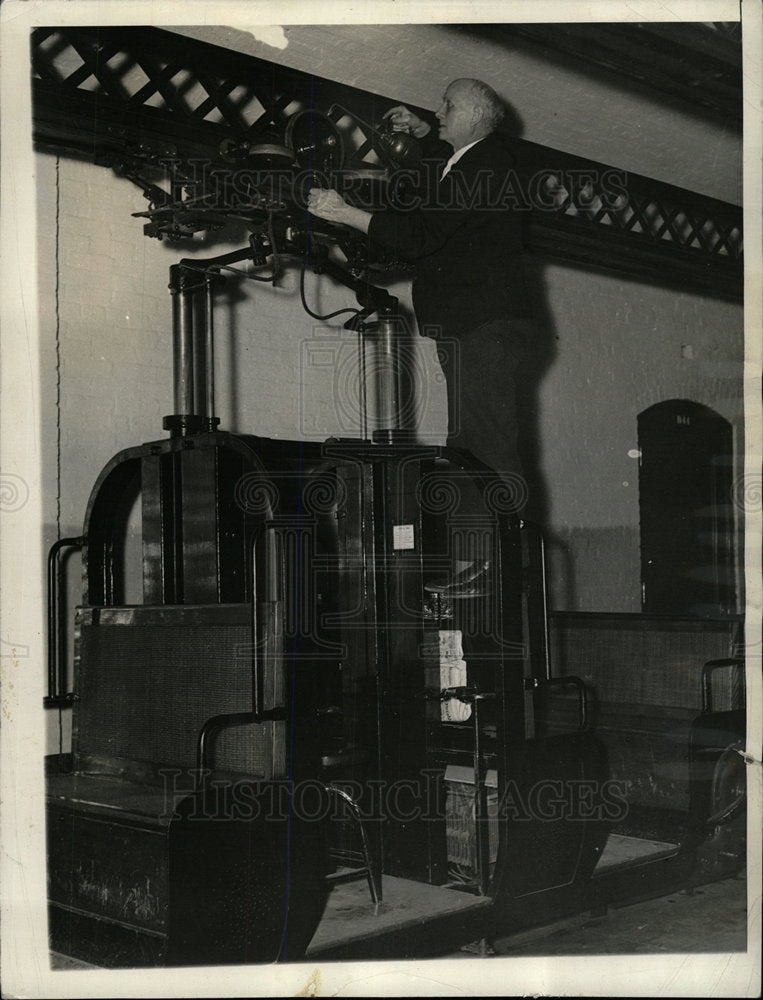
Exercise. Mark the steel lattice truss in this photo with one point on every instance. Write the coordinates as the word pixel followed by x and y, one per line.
pixel 136 99
pixel 653 217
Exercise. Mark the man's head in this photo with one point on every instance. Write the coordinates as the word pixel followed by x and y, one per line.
pixel 469 110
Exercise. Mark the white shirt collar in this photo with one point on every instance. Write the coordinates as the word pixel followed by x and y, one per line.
pixel 458 154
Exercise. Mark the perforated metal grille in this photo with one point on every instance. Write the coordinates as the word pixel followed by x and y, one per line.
pixel 645 666
pixel 145 691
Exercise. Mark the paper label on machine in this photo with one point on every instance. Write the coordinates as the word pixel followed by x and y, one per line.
pixel 402 536
pixel 452 674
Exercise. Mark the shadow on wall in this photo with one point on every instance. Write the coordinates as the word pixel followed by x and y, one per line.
pixel 234 295
pixel 540 357
pixel 559 558
pixel 530 376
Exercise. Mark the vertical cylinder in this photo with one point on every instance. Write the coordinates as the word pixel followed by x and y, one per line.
pixel 387 366
pixel 209 349
pixel 198 313
pixel 182 344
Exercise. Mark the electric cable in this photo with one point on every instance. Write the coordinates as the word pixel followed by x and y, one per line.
pixel 227 267
pixel 252 277
pixel 273 247
pixel 308 310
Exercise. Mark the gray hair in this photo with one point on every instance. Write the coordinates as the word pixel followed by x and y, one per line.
pixel 489 102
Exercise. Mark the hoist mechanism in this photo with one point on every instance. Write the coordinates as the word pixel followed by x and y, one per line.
pixel 261 176
pixel 285 744
pixel 269 706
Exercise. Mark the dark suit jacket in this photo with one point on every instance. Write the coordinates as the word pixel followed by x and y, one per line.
pixel 466 242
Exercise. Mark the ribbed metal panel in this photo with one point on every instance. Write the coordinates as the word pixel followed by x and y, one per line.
pixel 146 690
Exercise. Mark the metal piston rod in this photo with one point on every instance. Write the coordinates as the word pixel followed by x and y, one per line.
pixel 193 364
pixel 385 336
pixel 193 342
pixel 388 378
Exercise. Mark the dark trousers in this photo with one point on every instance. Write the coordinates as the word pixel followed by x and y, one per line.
pixel 480 368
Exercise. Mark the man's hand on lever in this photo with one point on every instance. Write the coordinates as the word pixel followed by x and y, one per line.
pixel 403 119
pixel 330 205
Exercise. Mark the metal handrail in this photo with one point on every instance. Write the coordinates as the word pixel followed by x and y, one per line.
pixel 535 684
pixel 707 683
pixel 225 721
pixel 373 876
pixel 57 697
pixel 257 715
pixel 531 527
pixel 471 695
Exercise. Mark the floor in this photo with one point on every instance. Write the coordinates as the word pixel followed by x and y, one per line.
pixel 710 918
pixel 351 917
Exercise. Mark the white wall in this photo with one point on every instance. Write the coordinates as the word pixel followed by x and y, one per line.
pixel 621 348
pixel 106 315
pixel 560 107
pixel 110 311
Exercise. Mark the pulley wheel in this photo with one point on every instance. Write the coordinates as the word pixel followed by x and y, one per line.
pixel 316 141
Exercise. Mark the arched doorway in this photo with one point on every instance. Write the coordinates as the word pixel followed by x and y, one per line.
pixel 686 516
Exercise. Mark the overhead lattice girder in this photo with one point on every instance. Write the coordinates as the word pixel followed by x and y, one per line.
pixel 151 95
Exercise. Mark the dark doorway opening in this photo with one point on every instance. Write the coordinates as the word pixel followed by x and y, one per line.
pixel 688 550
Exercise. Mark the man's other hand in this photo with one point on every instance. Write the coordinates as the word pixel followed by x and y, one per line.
pixel 327 204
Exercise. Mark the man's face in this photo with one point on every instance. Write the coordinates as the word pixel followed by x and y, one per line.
pixel 456 115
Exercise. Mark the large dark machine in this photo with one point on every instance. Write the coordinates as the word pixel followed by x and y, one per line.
pixel 285 745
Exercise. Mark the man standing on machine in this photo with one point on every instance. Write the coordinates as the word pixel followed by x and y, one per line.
pixel 469 287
